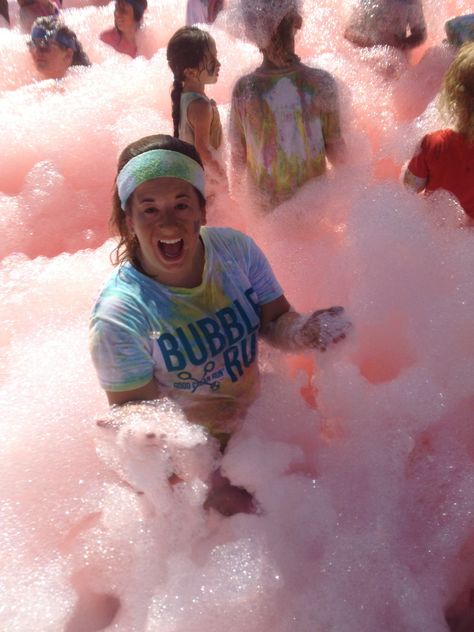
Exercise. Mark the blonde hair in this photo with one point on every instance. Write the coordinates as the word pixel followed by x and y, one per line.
pixel 457 95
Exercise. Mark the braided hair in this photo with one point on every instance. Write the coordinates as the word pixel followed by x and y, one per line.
pixel 186 49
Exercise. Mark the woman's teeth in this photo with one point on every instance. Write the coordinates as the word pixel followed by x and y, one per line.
pixel 171 248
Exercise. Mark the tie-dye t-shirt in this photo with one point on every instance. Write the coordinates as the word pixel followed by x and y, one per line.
pixel 200 344
pixel 280 123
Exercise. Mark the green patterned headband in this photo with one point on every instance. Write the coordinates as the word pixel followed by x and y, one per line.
pixel 158 163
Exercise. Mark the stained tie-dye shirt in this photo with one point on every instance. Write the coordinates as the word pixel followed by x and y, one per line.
pixel 200 344
pixel 280 123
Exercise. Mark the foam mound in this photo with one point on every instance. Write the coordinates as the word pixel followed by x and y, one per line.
pixel 361 460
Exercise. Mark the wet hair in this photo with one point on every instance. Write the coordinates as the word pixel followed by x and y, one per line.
pixel 281 39
pixel 51 23
pixel 186 49
pixel 139 7
pixel 127 248
pixel 457 94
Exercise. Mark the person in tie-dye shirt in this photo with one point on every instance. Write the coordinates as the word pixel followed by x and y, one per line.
pixel 182 314
pixel 284 119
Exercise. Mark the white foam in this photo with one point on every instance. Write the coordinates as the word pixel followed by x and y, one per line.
pixel 360 460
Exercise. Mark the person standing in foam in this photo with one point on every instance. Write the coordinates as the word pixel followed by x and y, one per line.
pixel 202 11
pixel 192 58
pixel 30 10
pixel 182 314
pixel 55 48
pixel 445 158
pixel 128 17
pixel 284 119
pixel 397 23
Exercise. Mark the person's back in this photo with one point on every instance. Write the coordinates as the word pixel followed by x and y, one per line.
pixel 186 131
pixel 284 117
pixel 281 121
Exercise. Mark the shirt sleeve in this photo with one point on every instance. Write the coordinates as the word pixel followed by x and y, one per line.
pixel 330 111
pixel 120 346
pixel 261 275
pixel 418 165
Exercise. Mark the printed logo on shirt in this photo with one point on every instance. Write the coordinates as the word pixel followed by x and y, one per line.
pixel 230 332
pixel 209 378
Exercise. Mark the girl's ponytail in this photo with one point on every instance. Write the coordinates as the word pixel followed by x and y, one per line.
pixel 176 91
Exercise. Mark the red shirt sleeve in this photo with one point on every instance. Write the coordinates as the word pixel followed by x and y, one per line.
pixel 417 164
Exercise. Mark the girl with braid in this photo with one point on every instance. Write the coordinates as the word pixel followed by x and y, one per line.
pixel 192 57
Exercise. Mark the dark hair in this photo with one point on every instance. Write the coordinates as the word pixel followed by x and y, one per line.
pixel 282 37
pixel 51 23
pixel 186 49
pixel 4 10
pixel 139 7
pixel 127 247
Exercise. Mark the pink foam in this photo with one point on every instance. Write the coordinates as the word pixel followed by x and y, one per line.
pixel 360 459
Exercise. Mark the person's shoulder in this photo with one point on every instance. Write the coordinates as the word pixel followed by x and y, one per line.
pixel 110 36
pixel 224 234
pixel 124 285
pixel 317 75
pixel 441 142
pixel 442 138
pixel 245 82
pixel 226 238
pixel 196 103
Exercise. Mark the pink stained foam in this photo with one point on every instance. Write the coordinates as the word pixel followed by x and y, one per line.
pixel 361 460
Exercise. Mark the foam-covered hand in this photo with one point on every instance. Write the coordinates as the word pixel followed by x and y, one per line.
pixel 321 328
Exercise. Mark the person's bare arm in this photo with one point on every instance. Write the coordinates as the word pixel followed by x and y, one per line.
pixel 414 182
pixel 291 331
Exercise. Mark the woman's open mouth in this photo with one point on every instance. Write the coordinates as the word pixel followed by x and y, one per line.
pixel 171 249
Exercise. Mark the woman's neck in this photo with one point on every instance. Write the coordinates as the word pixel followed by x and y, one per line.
pixel 193 85
pixel 130 36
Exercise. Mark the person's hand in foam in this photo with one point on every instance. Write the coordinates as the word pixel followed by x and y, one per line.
pixel 321 328
pixel 294 332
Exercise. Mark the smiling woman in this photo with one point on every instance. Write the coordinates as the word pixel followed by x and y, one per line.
pixel 182 314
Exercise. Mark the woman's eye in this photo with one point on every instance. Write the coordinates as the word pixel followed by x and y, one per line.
pixel 150 210
pixel 182 206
